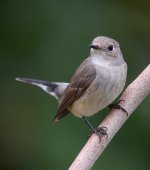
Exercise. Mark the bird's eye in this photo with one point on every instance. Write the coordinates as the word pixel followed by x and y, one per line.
pixel 110 47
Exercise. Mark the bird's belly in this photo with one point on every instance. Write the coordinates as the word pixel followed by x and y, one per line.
pixel 87 105
pixel 100 94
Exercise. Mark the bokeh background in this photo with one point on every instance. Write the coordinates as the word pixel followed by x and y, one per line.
pixel 47 40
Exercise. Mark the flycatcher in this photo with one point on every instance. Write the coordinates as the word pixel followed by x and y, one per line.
pixel 96 83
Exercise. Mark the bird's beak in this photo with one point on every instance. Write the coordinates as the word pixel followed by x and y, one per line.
pixel 95 47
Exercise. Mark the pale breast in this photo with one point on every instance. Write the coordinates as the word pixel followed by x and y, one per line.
pixel 107 86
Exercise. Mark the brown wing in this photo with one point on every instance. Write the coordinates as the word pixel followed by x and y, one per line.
pixel 79 83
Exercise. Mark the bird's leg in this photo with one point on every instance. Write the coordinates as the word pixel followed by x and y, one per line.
pixel 98 131
pixel 89 124
pixel 117 106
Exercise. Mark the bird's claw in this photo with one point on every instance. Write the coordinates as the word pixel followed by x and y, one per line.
pixel 117 106
pixel 100 132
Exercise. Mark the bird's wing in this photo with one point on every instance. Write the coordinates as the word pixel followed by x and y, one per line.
pixel 78 85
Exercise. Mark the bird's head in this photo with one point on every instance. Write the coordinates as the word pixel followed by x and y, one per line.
pixel 107 50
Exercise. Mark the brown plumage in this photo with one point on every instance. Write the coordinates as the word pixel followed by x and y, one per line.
pixel 78 85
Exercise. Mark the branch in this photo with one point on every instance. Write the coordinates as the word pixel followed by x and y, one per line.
pixel 132 97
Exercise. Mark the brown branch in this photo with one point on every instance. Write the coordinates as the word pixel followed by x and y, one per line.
pixel 132 97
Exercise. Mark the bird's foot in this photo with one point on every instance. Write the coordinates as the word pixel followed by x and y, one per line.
pixel 100 132
pixel 117 106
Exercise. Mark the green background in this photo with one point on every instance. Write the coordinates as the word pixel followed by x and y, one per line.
pixel 47 40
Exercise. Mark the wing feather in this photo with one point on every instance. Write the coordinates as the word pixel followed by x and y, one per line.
pixel 78 85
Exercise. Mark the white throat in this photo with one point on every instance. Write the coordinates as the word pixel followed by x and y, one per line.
pixel 99 60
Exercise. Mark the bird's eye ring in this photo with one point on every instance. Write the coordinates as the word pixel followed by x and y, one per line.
pixel 110 47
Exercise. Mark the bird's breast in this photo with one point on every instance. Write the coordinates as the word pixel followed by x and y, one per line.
pixel 106 87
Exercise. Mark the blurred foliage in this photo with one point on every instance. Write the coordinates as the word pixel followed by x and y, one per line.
pixel 47 40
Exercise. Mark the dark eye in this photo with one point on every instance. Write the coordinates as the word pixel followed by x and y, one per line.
pixel 110 47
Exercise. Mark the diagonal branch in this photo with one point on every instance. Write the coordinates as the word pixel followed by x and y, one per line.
pixel 132 97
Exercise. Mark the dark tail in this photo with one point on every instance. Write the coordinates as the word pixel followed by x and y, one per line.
pixel 55 89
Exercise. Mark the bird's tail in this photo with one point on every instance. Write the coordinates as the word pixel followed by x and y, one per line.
pixel 55 89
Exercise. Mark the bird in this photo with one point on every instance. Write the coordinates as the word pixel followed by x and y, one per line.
pixel 96 83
